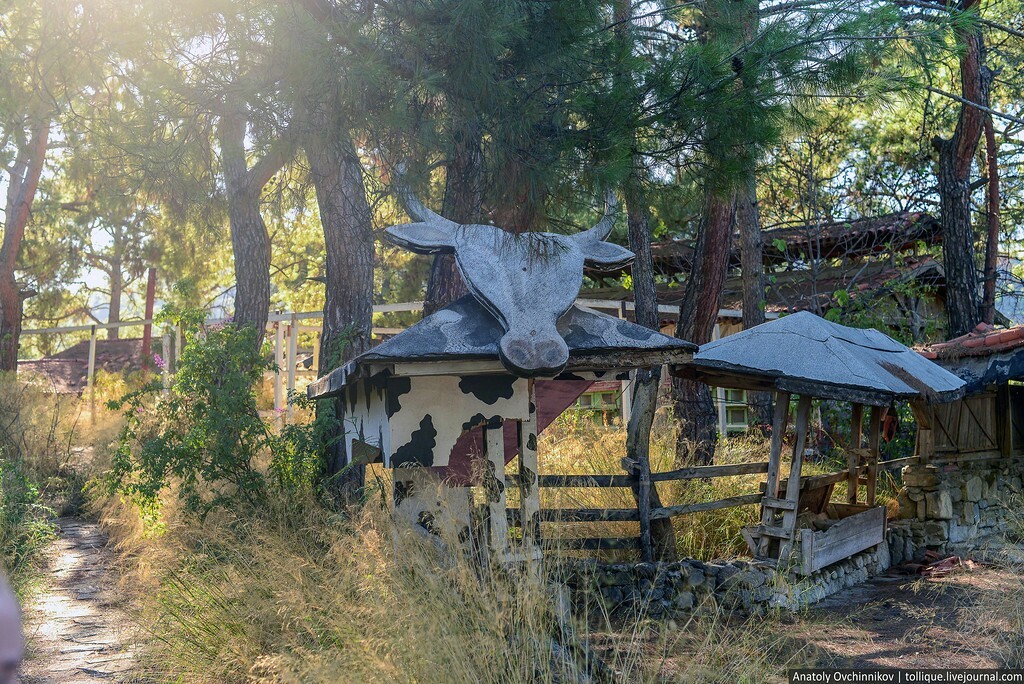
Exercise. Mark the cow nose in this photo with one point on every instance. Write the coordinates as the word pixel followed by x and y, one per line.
pixel 533 353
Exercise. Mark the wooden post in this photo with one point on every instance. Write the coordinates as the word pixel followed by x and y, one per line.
pixel 924 449
pixel 90 377
pixel 165 347
pixel 494 487
pixel 874 442
pixel 278 386
pixel 780 419
pixel 793 484
pixel 625 386
pixel 853 458
pixel 177 346
pixel 316 354
pixel 147 329
pixel 529 489
pixel 293 352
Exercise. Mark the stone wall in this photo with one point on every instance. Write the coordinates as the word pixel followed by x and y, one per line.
pixel 662 589
pixel 955 507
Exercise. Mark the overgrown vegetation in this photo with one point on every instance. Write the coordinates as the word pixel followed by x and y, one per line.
pixel 204 434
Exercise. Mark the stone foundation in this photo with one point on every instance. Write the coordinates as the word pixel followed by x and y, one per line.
pixel 663 589
pixel 955 507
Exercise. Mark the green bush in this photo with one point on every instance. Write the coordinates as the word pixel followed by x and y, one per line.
pixel 24 520
pixel 204 432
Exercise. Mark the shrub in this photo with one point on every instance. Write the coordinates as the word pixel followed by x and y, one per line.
pixel 204 433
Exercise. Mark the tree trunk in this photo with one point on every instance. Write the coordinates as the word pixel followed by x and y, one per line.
pixel 21 191
pixel 463 202
pixel 992 219
pixel 748 223
pixel 698 314
pixel 348 236
pixel 956 156
pixel 250 243
pixel 646 380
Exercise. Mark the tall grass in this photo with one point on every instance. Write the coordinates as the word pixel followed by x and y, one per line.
pixel 303 595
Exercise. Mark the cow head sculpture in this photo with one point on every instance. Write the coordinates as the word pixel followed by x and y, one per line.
pixel 526 281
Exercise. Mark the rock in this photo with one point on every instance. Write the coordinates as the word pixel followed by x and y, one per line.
pixel 939 505
pixel 920 476
pixel 694 578
pixel 974 490
pixel 683 601
pixel 935 532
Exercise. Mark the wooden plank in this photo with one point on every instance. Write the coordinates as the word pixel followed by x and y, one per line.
pixel 701 472
pixel 779 420
pixel 779 504
pixel 278 380
pixel 845 538
pixel 599 543
pixel 874 443
pixel 494 488
pixel 581 481
pixel 683 509
pixel 529 490
pixel 293 352
pixel 90 375
pixel 898 463
pixel 793 485
pixel 852 460
pixel 825 479
pixel 567 515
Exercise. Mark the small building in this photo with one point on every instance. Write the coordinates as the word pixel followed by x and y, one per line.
pixel 968 481
pixel 809 356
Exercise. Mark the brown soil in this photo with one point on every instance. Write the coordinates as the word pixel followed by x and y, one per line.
pixel 77 632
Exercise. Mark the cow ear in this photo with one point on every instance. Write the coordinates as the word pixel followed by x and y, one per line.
pixel 422 238
pixel 606 255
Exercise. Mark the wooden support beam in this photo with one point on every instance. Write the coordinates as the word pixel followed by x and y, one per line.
pixel 494 488
pixel 780 420
pixel 702 472
pixel 874 444
pixel 529 489
pixel 90 376
pixel 852 460
pixel 278 386
pixel 293 352
pixel 165 344
pixel 793 485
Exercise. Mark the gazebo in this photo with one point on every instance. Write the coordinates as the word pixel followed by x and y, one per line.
pixel 449 402
pixel 806 355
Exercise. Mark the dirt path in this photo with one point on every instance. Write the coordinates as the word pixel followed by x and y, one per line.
pixel 962 620
pixel 76 631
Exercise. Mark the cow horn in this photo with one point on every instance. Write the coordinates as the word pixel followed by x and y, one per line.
pixel 604 227
pixel 416 209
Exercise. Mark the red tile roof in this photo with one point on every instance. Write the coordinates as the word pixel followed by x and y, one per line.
pixel 984 340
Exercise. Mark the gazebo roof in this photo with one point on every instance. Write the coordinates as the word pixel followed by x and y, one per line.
pixel 462 338
pixel 806 354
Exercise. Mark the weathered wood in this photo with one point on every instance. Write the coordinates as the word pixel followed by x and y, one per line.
pixel 793 485
pixel 494 488
pixel 684 509
pixel 898 463
pixel 529 491
pixel 852 461
pixel 845 538
pixel 293 351
pixel 702 472
pixel 779 422
pixel 779 504
pixel 278 386
pixel 600 543
pixel 874 443
pixel 90 377
pixel 822 480
pixel 566 515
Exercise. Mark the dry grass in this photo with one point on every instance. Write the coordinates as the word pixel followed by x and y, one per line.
pixel 309 597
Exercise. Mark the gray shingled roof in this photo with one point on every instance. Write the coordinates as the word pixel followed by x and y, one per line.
pixel 806 354
pixel 464 330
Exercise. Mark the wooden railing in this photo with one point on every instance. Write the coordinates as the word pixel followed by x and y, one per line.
pixel 632 514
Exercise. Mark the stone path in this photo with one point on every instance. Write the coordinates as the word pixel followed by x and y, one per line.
pixel 75 629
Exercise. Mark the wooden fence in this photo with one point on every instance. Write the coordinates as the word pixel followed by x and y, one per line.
pixel 633 514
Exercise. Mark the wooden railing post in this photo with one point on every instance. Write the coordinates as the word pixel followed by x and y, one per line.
pixel 780 420
pixel 853 457
pixel 165 347
pixel 793 485
pixel 90 377
pixel 874 443
pixel 293 352
pixel 529 485
pixel 278 363
pixel 494 488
